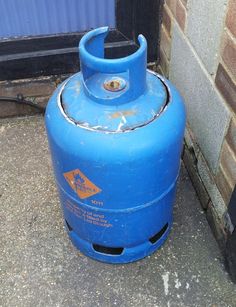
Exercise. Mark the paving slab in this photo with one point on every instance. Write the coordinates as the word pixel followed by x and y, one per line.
pixel 40 267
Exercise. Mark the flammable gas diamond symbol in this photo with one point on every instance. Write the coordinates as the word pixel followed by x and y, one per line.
pixel 81 184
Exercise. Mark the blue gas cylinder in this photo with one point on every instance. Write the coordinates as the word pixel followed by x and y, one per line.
pixel 115 132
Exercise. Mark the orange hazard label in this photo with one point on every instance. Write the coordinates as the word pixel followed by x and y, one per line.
pixel 81 184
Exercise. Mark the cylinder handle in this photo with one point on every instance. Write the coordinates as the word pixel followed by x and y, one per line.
pixel 92 61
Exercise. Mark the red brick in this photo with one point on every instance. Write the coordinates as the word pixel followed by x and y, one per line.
pixel 178 10
pixel 172 6
pixel 158 69
pixel 226 86
pixel 166 19
pixel 189 159
pixel 231 136
pixel 228 163
pixel 165 42
pixel 229 53
pixel 184 2
pixel 217 226
pixel 231 17
pixel 164 63
pixel 223 185
pixel 180 14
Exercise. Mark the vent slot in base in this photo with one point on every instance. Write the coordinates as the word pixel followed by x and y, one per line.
pixel 159 234
pixel 108 250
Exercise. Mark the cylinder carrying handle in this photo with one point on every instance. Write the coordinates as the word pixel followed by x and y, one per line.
pixel 91 51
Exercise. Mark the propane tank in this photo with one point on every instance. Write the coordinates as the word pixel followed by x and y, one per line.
pixel 115 132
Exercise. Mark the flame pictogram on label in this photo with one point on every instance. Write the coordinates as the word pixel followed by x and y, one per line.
pixel 81 184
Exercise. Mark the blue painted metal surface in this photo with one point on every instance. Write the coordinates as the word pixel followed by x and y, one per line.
pixel 116 150
pixel 43 17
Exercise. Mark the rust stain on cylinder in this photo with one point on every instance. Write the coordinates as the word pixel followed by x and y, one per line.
pixel 123 113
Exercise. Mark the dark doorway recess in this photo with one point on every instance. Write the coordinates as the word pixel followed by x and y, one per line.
pixel 58 54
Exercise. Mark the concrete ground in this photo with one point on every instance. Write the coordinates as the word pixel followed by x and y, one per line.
pixel 40 267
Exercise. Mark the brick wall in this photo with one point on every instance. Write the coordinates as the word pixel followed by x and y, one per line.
pixel 226 83
pixel 198 54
